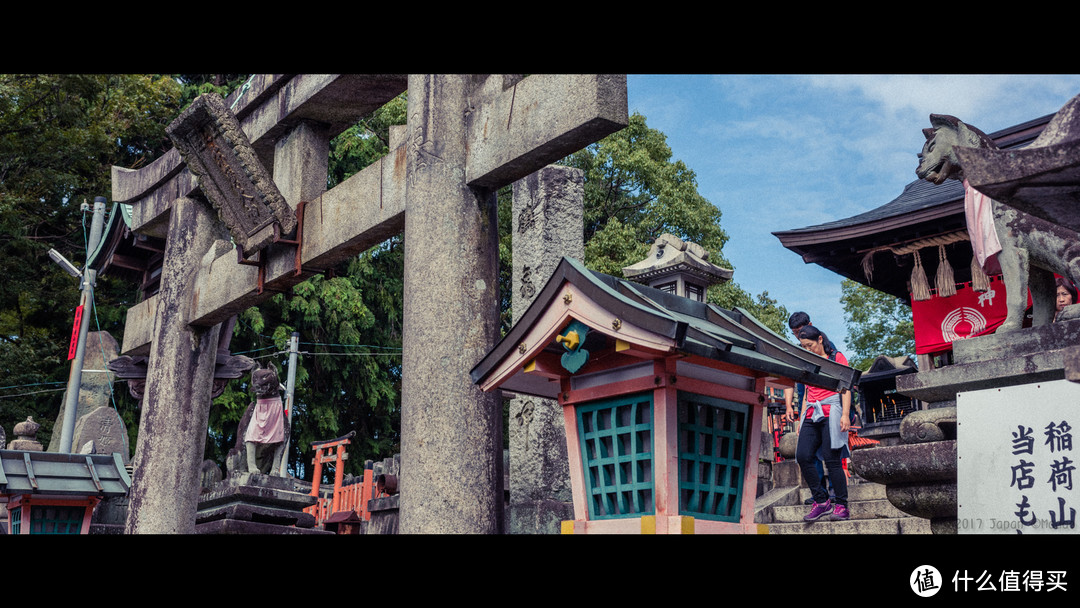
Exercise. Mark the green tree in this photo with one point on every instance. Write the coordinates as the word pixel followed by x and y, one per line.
pixel 877 323
pixel 198 84
pixel 59 136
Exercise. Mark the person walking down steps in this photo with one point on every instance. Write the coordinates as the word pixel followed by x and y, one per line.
pixel 824 432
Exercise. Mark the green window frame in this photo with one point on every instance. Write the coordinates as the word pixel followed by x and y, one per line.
pixel 616 437
pixel 56 519
pixel 16 520
pixel 712 456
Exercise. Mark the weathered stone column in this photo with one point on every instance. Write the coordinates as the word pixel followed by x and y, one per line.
pixel 548 224
pixel 180 377
pixel 451 431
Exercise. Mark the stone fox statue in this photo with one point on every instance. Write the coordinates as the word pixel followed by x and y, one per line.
pixel 263 432
pixel 1032 249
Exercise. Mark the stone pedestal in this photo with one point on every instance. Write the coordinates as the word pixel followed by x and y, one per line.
pixel 253 503
pixel 1026 356
pixel 384 515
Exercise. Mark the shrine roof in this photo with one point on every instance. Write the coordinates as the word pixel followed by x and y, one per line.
pixel 54 474
pixel 125 254
pixel 115 228
pixel 885 367
pixel 691 328
pixel 922 211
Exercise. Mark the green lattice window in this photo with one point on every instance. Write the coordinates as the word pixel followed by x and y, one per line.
pixel 51 519
pixel 616 447
pixel 712 446
pixel 16 520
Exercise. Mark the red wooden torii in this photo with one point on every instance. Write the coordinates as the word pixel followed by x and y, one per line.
pixel 353 497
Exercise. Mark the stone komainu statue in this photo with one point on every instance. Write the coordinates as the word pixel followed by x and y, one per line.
pixel 263 432
pixel 1030 249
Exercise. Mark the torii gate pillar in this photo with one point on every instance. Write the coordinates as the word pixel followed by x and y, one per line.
pixel 451 432
pixel 182 358
pixel 468 136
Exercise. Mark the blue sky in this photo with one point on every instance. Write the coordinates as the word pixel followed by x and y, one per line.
pixel 777 152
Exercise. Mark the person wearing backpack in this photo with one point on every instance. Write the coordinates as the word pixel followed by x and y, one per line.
pixel 824 431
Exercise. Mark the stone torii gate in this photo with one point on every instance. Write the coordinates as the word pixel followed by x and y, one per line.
pixel 466 136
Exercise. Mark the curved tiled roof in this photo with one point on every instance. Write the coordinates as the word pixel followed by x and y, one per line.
pixel 921 211
pixel 705 330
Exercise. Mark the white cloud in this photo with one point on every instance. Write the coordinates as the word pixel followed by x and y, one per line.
pixel 999 99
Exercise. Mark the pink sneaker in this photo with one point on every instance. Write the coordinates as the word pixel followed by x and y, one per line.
pixel 840 513
pixel 818 511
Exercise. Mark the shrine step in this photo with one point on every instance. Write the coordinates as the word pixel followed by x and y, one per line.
pixel 871 513
pixel 892 525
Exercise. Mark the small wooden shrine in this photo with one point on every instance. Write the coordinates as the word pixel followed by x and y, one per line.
pixel 122 253
pixel 679 267
pixel 662 397
pixel 883 406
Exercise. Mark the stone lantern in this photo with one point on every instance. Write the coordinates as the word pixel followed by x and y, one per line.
pixel 661 395
pixel 679 267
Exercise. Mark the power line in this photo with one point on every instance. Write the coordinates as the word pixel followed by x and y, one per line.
pixel 397 354
pixel 48 390
pixel 31 384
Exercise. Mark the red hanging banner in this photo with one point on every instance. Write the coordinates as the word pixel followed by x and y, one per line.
pixel 941 321
pixel 75 333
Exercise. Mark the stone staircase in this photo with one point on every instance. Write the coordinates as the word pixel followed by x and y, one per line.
pixel 782 509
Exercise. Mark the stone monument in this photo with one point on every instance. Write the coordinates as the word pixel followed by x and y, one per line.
pixel 97 422
pixel 547 225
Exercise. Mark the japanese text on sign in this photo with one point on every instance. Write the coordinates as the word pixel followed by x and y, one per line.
pixel 1016 459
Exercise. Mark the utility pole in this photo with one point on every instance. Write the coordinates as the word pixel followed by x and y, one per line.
pixel 290 392
pixel 89 278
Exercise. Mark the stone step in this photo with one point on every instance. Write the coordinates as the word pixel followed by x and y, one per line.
pixel 893 525
pixel 856 491
pixel 871 513
pixel 860 509
pixel 783 508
